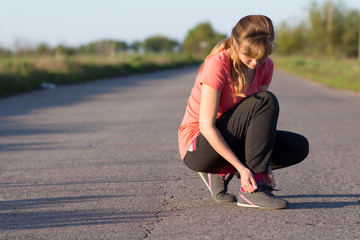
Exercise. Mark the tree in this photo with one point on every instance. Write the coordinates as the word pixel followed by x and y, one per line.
pixel 64 50
pixel 350 36
pixel 121 46
pixel 104 47
pixel 291 40
pixel 334 33
pixel 136 46
pixel 160 43
pixel 5 52
pixel 331 30
pixel 23 48
pixel 43 49
pixel 201 39
pixel 317 33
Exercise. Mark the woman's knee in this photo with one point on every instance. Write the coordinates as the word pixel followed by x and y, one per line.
pixel 268 100
pixel 302 147
pixel 290 148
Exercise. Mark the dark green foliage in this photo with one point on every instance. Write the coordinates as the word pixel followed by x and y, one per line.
pixel 104 47
pixel 319 35
pixel 64 50
pixel 4 52
pixel 160 43
pixel 201 40
pixel 43 49
pixel 136 46
pixel 291 40
pixel 349 39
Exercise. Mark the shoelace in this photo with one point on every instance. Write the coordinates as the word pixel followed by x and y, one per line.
pixel 225 183
pixel 267 190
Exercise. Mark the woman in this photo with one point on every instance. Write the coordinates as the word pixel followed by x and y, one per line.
pixel 230 121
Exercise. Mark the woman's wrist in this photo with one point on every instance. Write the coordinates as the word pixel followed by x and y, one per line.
pixel 241 167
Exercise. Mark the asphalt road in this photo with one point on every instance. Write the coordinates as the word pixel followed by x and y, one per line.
pixel 100 161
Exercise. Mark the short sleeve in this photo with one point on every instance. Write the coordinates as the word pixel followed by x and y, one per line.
pixel 269 70
pixel 213 73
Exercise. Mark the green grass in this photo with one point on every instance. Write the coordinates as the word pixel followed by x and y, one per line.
pixel 20 74
pixel 336 73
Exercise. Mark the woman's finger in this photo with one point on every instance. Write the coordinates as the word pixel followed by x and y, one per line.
pixel 253 183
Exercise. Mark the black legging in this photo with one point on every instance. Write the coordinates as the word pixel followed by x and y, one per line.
pixel 250 131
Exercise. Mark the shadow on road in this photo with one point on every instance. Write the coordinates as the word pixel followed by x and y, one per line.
pixel 56 219
pixel 12 128
pixel 43 202
pixel 21 214
pixel 331 203
pixel 100 181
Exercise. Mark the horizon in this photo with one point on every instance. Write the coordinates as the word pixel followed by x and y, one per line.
pixel 78 23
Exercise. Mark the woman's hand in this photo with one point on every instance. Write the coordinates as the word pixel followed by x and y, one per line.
pixel 248 182
pixel 269 178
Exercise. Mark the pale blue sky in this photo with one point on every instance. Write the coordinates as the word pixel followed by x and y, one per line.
pixel 75 22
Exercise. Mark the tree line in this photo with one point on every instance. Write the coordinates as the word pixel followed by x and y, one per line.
pixel 199 40
pixel 330 29
pixel 102 47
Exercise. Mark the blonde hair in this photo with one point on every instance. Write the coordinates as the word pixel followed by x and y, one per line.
pixel 255 34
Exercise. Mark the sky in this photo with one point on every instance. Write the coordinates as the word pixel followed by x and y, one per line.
pixel 76 22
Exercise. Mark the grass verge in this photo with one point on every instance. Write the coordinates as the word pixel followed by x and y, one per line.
pixel 336 73
pixel 20 74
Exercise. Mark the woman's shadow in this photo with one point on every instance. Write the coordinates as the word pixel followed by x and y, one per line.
pixel 323 201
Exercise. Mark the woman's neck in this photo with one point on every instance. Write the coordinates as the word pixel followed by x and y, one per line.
pixel 250 74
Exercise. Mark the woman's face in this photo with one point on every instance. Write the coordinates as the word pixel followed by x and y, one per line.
pixel 251 63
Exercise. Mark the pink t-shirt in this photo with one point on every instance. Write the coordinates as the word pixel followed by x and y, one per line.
pixel 216 73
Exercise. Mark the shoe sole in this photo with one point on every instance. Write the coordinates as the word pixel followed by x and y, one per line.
pixel 258 207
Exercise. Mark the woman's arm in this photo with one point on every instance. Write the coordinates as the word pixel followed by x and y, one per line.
pixel 208 111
